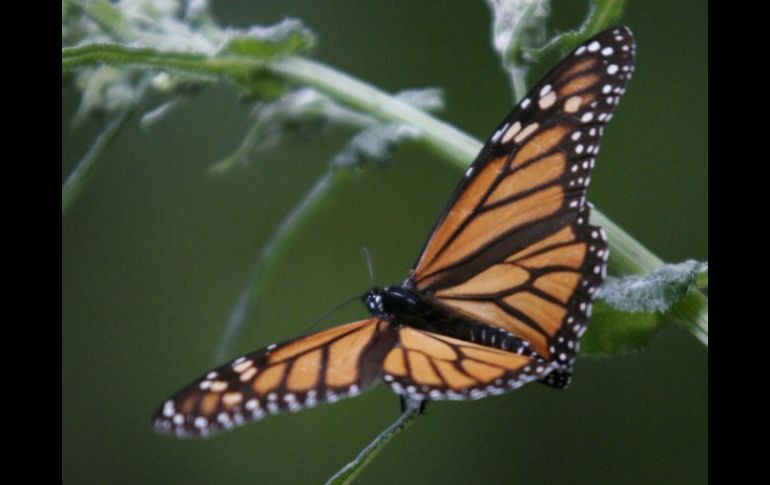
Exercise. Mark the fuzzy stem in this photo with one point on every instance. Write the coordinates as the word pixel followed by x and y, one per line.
pixel 77 178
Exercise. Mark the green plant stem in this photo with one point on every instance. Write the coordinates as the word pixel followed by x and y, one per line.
pixel 441 137
pixel 349 472
pixel 519 82
pixel 198 66
pixel 77 178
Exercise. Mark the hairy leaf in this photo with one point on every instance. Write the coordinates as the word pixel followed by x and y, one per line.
pixel 630 310
pixel 374 144
pixel 288 37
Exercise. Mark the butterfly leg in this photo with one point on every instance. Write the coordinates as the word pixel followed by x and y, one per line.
pixel 404 404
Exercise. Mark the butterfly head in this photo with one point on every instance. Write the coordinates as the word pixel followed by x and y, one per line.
pixel 374 302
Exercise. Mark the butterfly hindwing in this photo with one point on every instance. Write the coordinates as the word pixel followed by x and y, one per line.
pixel 426 365
pixel 321 367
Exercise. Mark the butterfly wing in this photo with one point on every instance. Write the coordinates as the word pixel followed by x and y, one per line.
pixel 321 367
pixel 513 248
pixel 425 365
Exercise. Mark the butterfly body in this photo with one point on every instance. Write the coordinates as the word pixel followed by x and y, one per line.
pixel 403 306
pixel 500 294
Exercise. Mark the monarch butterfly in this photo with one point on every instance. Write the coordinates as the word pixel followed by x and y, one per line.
pixel 500 293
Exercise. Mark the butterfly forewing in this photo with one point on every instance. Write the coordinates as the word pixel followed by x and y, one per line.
pixel 513 248
pixel 530 178
pixel 322 367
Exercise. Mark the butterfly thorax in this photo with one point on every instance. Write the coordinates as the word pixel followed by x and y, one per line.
pixel 395 301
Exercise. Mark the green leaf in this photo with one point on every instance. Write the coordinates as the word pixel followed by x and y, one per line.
pixel 286 38
pixel 374 144
pixel 518 25
pixel 703 280
pixel 519 33
pixel 105 90
pixel 655 292
pixel 630 310
pixel 602 15
pixel 613 331
pixel 426 99
pixel 301 112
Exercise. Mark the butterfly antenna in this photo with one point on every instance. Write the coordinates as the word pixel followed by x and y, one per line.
pixel 330 313
pixel 370 268
pixel 369 265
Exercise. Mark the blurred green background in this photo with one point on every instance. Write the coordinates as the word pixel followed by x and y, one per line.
pixel 155 252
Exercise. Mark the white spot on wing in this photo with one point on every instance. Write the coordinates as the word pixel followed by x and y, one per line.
pixel 168 409
pixel 528 130
pixel 572 104
pixel 547 101
pixel 511 132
